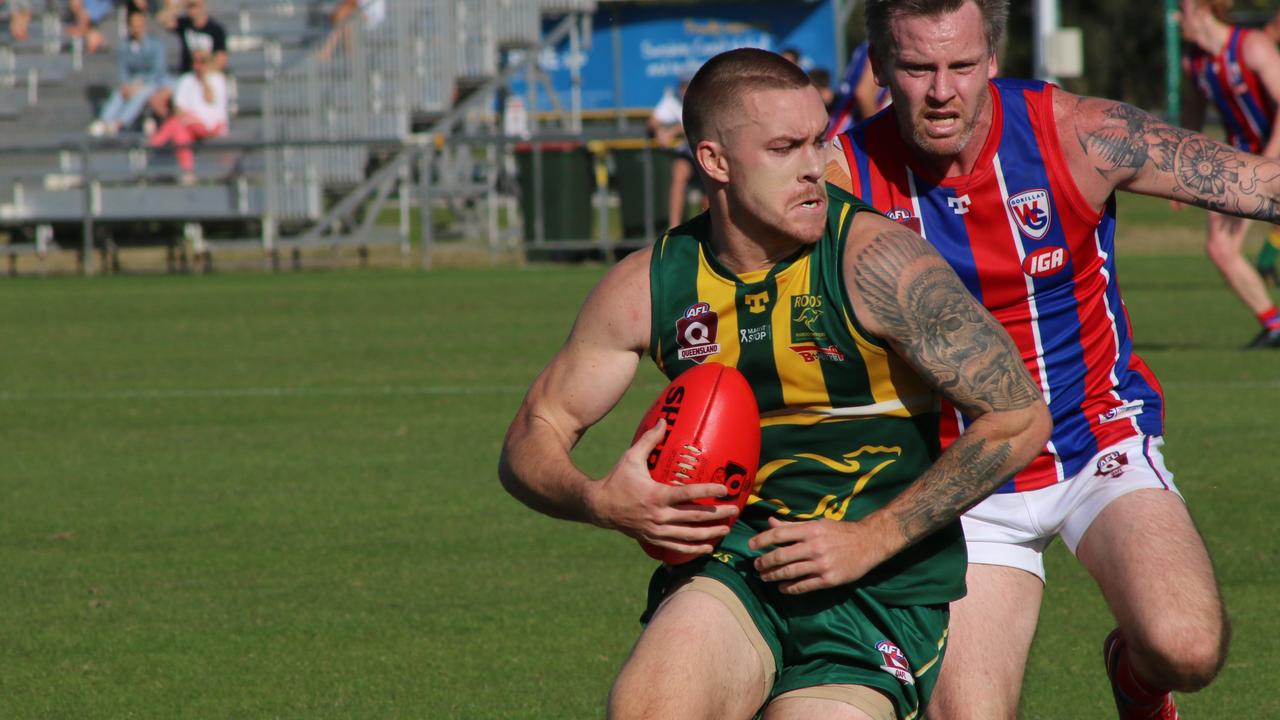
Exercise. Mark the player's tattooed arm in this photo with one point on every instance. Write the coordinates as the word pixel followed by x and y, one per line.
pixel 918 304
pixel 1137 152
pixel 906 293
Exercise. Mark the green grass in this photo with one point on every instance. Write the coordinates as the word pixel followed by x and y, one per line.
pixel 252 496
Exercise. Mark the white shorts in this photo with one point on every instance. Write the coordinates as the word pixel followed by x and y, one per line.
pixel 1014 529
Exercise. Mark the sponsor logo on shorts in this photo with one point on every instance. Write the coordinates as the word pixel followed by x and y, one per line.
pixel 696 333
pixel 895 663
pixel 1120 412
pixel 1113 464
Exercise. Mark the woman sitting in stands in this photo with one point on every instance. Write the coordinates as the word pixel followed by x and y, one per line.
pixel 199 112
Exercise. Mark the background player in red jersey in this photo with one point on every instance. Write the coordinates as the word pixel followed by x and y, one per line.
pixel 1238 71
pixel 1116 510
pixel 781 621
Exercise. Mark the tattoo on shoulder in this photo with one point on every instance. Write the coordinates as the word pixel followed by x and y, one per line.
pixel 938 326
pixel 1203 171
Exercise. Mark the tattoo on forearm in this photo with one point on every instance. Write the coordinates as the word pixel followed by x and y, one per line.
pixel 968 472
pixel 939 327
pixel 1204 172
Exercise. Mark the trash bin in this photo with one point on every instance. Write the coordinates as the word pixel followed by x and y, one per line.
pixel 567 188
pixel 628 162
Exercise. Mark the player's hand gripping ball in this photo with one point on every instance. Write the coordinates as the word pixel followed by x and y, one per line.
pixel 713 436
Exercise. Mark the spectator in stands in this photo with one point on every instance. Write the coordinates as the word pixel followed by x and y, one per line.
pixel 86 15
pixel 200 111
pixel 372 13
pixel 19 12
pixel 196 31
pixel 140 66
pixel 666 126
pixel 791 54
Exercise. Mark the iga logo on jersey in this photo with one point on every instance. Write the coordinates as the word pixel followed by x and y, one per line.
pixel 1031 211
pixel 1045 262
pixel 696 333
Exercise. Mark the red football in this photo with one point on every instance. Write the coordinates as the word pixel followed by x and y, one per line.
pixel 713 436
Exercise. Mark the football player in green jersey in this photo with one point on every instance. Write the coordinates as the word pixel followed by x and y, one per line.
pixel 827 604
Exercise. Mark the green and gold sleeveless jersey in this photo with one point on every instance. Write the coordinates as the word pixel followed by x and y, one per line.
pixel 846 424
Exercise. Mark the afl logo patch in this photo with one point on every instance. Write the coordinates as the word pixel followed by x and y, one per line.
pixel 696 333
pixel 902 216
pixel 1031 211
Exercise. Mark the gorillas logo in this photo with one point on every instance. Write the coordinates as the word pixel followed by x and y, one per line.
pixel 1031 210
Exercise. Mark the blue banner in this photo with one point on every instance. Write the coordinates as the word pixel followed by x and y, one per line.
pixel 659 44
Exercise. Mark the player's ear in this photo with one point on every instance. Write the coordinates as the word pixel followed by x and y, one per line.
pixel 993 67
pixel 711 160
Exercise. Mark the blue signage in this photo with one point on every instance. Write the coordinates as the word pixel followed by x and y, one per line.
pixel 659 44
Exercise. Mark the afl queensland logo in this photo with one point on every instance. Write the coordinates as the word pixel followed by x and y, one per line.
pixel 1031 211
pixel 696 333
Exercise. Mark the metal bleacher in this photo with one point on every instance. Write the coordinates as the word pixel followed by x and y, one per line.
pixel 314 118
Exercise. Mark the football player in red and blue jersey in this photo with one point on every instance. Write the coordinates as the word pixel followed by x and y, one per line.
pixel 1236 70
pixel 1014 183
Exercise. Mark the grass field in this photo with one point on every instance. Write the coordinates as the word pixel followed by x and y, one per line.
pixel 256 496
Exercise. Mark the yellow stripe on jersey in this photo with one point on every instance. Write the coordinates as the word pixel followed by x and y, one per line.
pixel 892 380
pixel 803 384
pixel 721 295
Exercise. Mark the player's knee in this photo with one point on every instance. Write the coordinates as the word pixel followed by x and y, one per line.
pixel 1222 251
pixel 1187 656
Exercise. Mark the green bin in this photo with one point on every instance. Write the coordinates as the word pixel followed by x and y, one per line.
pixel 567 188
pixel 630 173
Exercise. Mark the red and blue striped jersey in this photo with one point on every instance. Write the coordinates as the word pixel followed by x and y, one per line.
pixel 1030 247
pixel 1247 111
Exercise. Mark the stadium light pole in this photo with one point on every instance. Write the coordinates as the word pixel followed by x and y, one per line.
pixel 1046 24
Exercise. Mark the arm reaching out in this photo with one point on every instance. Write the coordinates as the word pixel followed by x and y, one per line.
pixel 1112 145
pixel 905 293
pixel 582 383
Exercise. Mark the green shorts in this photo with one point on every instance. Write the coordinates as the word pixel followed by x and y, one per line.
pixel 840 636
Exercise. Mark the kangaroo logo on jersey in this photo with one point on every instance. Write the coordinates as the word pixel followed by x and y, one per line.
pixel 806 311
pixel 1045 262
pixel 895 663
pixel 696 333
pixel 1031 211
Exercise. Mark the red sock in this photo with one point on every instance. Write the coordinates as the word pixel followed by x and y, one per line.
pixel 1135 688
pixel 1270 318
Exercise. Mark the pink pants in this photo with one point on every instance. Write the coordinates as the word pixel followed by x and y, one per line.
pixel 182 130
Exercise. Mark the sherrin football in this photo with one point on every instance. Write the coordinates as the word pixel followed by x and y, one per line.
pixel 713 436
